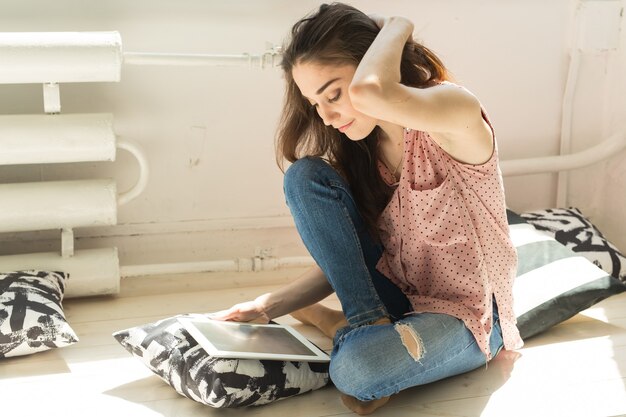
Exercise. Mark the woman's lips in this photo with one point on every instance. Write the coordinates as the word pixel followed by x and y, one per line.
pixel 345 127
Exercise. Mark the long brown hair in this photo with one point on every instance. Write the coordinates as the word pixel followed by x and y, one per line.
pixel 339 34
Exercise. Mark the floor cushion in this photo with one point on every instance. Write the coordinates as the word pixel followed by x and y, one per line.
pixel 574 230
pixel 168 350
pixel 553 282
pixel 31 313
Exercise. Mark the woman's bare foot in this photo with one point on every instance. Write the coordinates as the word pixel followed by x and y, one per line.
pixel 324 318
pixel 363 407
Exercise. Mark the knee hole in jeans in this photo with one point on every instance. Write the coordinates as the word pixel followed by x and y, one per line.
pixel 411 340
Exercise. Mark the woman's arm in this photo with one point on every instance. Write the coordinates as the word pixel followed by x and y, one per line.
pixel 309 288
pixel 451 115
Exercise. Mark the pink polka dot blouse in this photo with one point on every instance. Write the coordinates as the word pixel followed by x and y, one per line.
pixel 446 238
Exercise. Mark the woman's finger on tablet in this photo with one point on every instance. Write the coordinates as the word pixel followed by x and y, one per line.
pixel 249 311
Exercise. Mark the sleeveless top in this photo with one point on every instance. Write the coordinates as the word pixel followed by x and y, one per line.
pixel 446 238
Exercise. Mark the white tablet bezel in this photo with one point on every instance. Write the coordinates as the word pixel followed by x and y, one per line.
pixel 188 323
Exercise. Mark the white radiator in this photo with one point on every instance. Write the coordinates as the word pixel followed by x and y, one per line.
pixel 60 57
pixel 49 59
pixel 40 139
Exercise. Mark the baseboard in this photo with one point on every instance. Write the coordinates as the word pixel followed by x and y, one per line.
pixel 186 241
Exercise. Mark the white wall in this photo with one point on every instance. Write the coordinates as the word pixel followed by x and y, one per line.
pixel 208 132
pixel 600 111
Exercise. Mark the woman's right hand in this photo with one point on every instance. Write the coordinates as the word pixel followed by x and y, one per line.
pixel 308 289
pixel 250 311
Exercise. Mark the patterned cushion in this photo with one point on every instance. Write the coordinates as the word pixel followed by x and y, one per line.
pixel 553 283
pixel 31 315
pixel 574 230
pixel 168 350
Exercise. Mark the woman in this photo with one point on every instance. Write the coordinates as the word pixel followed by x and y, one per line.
pixel 396 192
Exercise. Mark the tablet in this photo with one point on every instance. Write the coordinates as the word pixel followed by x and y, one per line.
pixel 229 339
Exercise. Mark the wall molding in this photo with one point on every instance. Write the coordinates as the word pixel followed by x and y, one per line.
pixel 183 241
pixel 150 228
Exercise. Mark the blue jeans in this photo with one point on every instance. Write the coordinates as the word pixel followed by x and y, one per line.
pixel 370 362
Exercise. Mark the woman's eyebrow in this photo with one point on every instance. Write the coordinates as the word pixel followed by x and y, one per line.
pixel 322 88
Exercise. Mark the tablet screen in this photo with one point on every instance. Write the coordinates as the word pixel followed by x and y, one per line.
pixel 250 340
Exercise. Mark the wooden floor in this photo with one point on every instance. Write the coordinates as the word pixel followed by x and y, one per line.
pixel 576 369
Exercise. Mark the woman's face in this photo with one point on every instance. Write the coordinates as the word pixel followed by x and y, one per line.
pixel 326 88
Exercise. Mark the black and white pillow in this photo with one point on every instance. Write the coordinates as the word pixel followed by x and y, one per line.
pixel 553 283
pixel 571 228
pixel 31 314
pixel 168 350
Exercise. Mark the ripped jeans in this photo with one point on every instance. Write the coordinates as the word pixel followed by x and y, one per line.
pixel 370 362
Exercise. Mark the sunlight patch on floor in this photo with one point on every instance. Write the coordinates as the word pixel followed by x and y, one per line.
pixel 597 313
